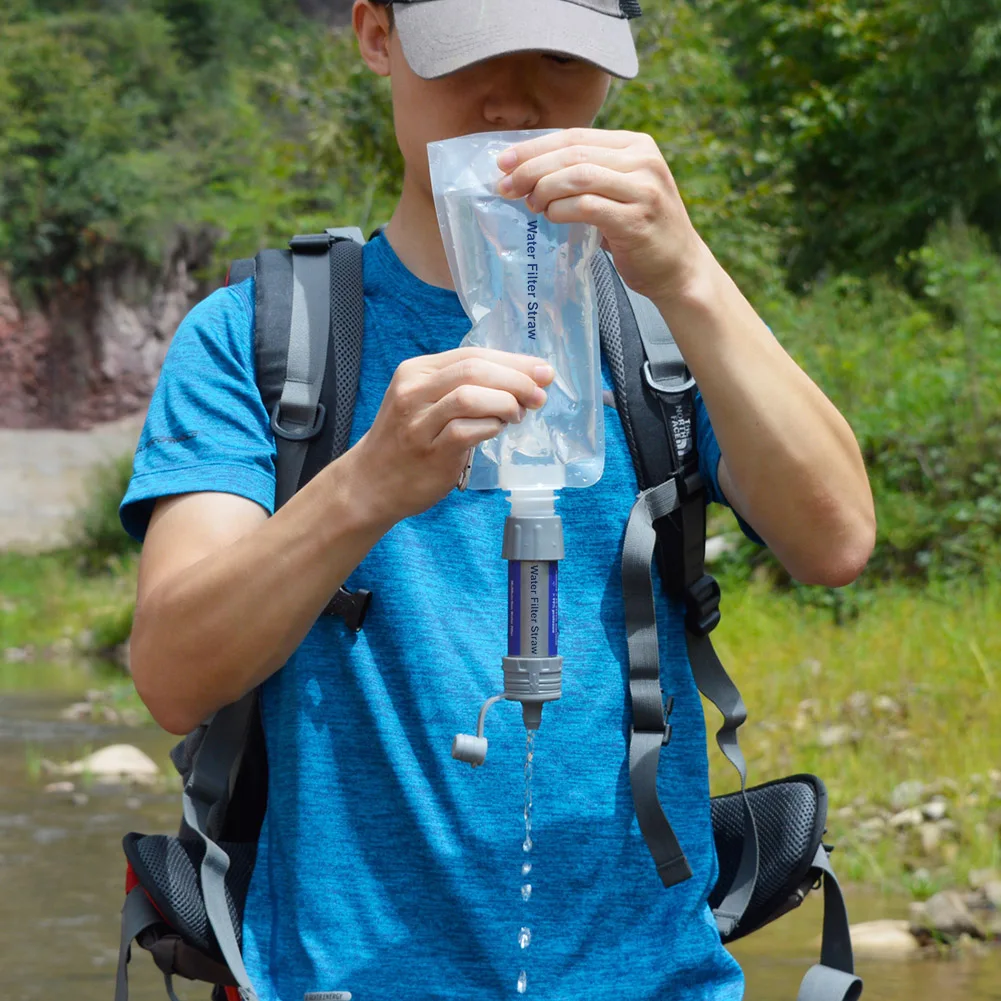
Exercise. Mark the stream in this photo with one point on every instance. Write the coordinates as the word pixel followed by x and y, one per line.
pixel 62 876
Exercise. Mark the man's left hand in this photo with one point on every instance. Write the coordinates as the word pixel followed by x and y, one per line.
pixel 620 183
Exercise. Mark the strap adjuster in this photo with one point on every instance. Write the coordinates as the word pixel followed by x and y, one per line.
pixel 663 388
pixel 302 433
pixel 702 605
pixel 665 734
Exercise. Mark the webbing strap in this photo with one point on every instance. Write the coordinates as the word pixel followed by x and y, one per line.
pixel 168 981
pixel 208 786
pixel 138 914
pixel 305 365
pixel 650 729
pixel 718 687
pixel 833 978
pixel 683 567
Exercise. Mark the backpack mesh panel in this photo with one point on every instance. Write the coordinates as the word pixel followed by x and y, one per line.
pixel 790 824
pixel 168 869
pixel 346 314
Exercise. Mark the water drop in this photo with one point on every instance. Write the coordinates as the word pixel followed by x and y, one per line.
pixel 526 868
pixel 525 937
pixel 526 891
pixel 526 845
pixel 522 982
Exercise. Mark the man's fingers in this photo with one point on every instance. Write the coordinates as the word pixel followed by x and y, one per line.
pixel 475 403
pixel 587 159
pixel 468 432
pixel 474 372
pixel 511 359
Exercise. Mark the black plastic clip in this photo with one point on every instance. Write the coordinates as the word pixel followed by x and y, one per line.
pixel 302 433
pixel 352 606
pixel 689 483
pixel 702 606
pixel 311 243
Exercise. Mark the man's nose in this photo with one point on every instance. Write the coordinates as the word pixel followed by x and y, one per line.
pixel 511 102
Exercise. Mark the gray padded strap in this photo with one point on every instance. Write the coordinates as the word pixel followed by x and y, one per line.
pixel 138 914
pixel 667 367
pixel 718 687
pixel 307 359
pixel 650 730
pixel 833 978
pixel 209 784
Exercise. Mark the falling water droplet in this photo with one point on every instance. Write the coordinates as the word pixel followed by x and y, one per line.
pixel 526 845
pixel 525 937
pixel 522 982
pixel 526 868
pixel 526 891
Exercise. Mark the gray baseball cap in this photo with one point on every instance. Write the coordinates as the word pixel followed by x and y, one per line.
pixel 441 36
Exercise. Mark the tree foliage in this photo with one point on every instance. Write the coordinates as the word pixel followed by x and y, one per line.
pixel 887 113
pixel 842 158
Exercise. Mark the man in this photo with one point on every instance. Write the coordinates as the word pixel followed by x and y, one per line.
pixel 385 869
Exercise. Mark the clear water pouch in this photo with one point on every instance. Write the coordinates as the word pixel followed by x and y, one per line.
pixel 526 285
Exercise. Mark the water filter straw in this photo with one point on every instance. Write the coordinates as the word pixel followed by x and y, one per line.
pixel 533 547
pixel 525 283
pixel 533 668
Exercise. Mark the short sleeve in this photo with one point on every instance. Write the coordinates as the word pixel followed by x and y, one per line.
pixel 709 456
pixel 206 428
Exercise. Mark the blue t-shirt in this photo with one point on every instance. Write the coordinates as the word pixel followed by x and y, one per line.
pixel 385 867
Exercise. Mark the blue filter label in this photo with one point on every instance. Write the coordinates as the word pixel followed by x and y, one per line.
pixel 554 609
pixel 514 608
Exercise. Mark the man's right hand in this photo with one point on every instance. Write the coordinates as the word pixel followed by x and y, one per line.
pixel 436 408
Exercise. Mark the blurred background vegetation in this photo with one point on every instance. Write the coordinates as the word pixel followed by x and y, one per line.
pixel 842 158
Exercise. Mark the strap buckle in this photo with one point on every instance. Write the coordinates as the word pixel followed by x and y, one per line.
pixel 302 433
pixel 702 605
pixel 663 388
pixel 352 606
pixel 665 739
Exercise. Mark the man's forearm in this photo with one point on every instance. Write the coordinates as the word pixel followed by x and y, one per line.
pixel 792 466
pixel 223 625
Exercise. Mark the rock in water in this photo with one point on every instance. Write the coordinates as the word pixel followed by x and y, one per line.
pixel 884 939
pixel 992 891
pixel 115 763
pixel 949 916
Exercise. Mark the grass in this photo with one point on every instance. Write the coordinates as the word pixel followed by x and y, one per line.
pixel 46 597
pixel 907 690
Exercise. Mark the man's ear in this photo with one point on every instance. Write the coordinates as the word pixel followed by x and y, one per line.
pixel 372 29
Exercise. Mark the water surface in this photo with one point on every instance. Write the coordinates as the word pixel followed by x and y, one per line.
pixel 62 882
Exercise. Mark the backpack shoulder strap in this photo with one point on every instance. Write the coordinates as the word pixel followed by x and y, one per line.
pixel 655 398
pixel 310 319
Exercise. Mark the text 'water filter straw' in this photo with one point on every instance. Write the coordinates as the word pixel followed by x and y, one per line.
pixel 525 283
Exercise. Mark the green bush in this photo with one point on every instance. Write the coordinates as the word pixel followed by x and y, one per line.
pixel 97 532
pixel 919 380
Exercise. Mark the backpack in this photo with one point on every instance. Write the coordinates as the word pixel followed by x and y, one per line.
pixel 185 895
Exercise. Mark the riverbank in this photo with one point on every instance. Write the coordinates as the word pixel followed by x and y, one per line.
pixel 897 710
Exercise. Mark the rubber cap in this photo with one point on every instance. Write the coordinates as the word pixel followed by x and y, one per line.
pixel 466 747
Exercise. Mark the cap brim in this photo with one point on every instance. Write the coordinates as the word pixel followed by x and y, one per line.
pixel 441 36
